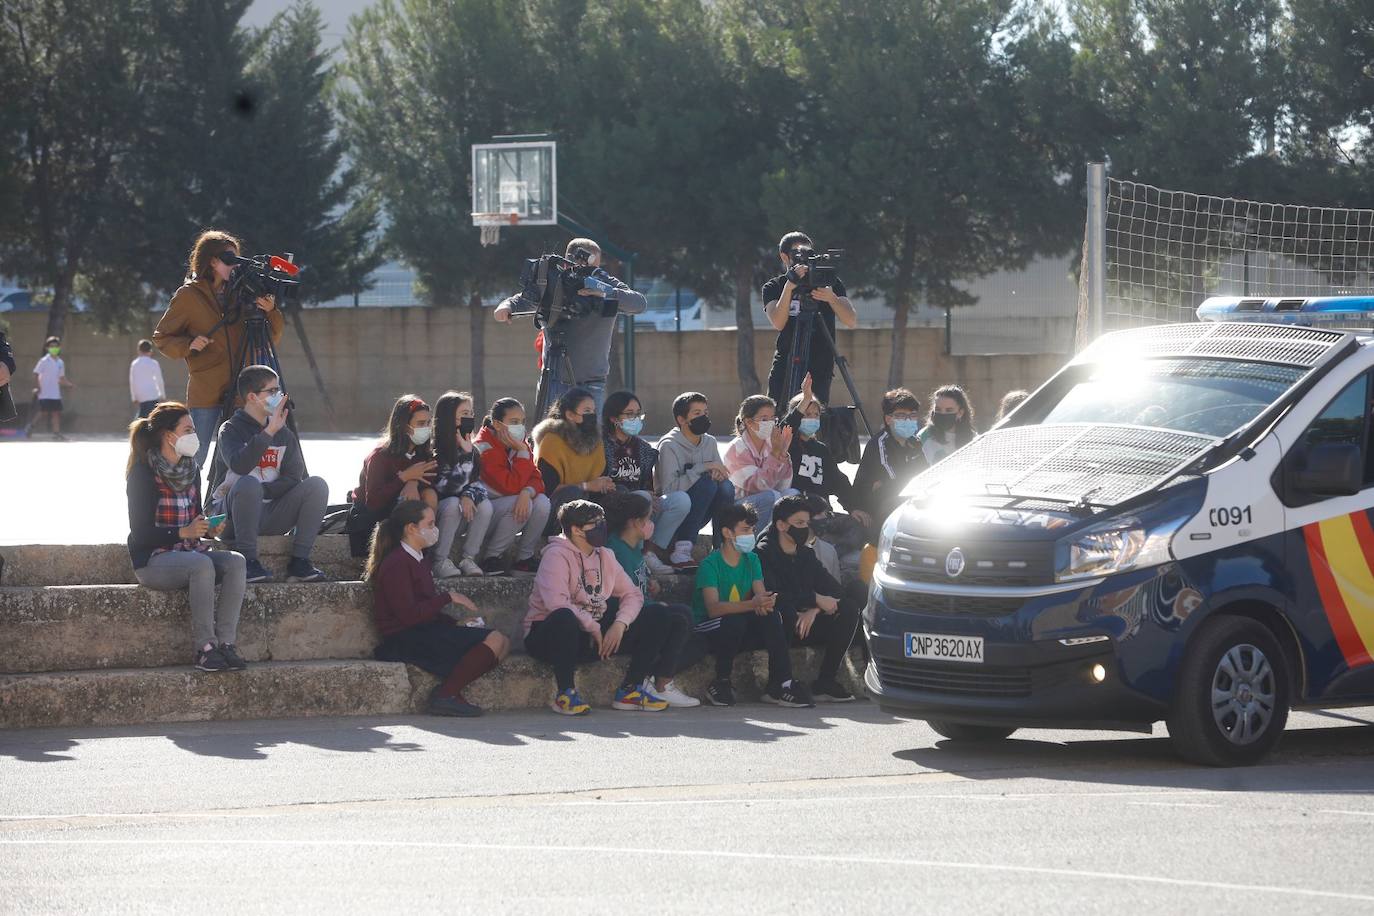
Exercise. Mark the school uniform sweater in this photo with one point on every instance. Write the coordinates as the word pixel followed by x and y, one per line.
pixel 403 593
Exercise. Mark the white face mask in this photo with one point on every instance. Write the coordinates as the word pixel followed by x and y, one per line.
pixel 421 436
pixel 516 430
pixel 430 536
pixel 766 428
pixel 187 445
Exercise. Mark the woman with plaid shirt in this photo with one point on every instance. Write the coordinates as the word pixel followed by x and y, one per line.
pixel 166 529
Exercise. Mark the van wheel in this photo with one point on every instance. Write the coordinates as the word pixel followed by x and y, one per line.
pixel 1231 701
pixel 958 731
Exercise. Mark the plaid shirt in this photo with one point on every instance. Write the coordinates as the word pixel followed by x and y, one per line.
pixel 177 510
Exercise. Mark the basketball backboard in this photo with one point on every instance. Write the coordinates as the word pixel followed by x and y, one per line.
pixel 517 181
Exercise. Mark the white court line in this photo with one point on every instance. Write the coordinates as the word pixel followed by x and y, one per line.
pixel 723 854
pixel 1340 811
pixel 1173 804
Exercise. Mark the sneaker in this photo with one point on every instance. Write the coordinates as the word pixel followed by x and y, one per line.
pixel 526 567
pixel 301 570
pixel 468 568
pixel 493 566
pixel 656 566
pixel 230 654
pixel 793 694
pixel 445 569
pixel 211 659
pixel 632 698
pixel 720 693
pixel 682 553
pixel 257 572
pixel 570 703
pixel 670 694
pixel 458 706
pixel 830 692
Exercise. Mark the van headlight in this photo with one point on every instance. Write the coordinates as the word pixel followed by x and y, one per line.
pixel 886 537
pixel 1115 546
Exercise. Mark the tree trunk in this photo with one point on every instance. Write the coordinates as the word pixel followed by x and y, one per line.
pixel 477 338
pixel 61 303
pixel 299 325
pixel 744 334
pixel 901 304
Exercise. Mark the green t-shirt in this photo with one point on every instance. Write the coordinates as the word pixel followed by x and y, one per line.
pixel 732 583
pixel 632 561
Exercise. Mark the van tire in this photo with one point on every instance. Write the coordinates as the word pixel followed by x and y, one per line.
pixel 959 731
pixel 1239 658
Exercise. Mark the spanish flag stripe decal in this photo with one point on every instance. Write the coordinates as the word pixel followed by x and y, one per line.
pixel 1329 558
pixel 1362 612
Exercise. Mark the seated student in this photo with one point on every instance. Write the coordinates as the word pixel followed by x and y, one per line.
pixel 629 519
pixel 689 462
pixel 758 460
pixel 630 464
pixel 733 623
pixel 518 503
pixel 419 625
pixel 463 504
pixel 815 607
pixel 402 465
pixel 818 474
pixel 950 426
pixel 569 453
pixel 584 607
pixel 890 459
pixel 265 490
pixel 166 528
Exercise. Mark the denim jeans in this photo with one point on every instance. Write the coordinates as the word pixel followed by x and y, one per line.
pixel 668 517
pixel 206 421
pixel 598 389
pixel 706 496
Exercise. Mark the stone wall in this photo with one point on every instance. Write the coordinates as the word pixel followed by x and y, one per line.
pixel 369 356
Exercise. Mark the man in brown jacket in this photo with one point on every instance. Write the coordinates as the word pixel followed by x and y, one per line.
pixel 185 332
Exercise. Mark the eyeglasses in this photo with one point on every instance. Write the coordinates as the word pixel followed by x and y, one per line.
pixel 276 390
pixel 905 416
pixel 632 416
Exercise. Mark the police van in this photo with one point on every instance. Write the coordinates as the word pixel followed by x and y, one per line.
pixel 1176 527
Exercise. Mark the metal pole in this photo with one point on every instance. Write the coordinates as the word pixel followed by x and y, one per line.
pixel 630 330
pixel 1097 246
pixel 677 307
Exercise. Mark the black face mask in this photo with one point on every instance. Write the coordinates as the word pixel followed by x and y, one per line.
pixel 700 426
pixel 943 422
pixel 466 425
pixel 598 535
pixel 588 422
pixel 799 535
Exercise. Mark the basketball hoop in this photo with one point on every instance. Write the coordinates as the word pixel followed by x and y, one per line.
pixel 491 223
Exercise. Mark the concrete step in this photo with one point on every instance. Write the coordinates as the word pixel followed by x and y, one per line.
pixel 108 564
pixel 73 627
pixel 127 696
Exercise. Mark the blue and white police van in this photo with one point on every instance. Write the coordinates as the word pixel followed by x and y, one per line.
pixel 1175 527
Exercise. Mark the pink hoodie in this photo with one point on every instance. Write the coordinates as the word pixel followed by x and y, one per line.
pixel 753 471
pixel 563 570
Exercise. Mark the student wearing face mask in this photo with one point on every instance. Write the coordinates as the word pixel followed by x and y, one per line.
pixel 817 474
pixel 950 426
pixel 569 452
pixel 167 531
pixel 265 490
pixel 815 607
pixel 518 503
pixel 441 632
pixel 401 467
pixel 630 463
pixel 891 458
pixel 759 461
pixel 584 607
pixel 689 462
pixel 463 504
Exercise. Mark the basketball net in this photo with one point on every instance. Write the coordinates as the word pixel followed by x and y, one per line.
pixel 491 223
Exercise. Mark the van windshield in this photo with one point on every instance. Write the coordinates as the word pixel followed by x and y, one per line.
pixel 1210 397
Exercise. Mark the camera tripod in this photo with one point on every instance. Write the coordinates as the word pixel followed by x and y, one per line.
pixel 799 356
pixel 555 366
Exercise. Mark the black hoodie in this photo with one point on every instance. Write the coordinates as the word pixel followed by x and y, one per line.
pixel 796 578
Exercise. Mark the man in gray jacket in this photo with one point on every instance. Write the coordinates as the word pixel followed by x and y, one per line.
pixel 689 461
pixel 265 490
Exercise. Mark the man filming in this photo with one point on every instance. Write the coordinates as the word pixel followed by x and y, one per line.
pixel 586 337
pixel 830 303
pixel 194 329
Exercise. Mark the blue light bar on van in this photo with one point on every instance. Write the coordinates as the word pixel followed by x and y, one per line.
pixel 1331 311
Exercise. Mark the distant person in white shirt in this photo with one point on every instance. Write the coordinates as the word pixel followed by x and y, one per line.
pixel 50 375
pixel 146 389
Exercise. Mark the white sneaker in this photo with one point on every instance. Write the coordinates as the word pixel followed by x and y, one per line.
pixel 470 568
pixel 682 553
pixel 670 694
pixel 656 566
pixel 445 569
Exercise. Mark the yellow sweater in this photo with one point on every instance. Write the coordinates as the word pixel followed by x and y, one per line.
pixel 553 449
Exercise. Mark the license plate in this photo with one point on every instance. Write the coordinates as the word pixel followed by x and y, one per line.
pixel 945 648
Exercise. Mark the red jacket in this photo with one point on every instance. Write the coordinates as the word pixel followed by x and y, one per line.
pixel 403 593
pixel 506 473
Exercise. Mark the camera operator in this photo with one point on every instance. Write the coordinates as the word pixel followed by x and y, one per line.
pixel 194 328
pixel 831 303
pixel 586 337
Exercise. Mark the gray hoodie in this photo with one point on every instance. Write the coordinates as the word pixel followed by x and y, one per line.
pixel 680 462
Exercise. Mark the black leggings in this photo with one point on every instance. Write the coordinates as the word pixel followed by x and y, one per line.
pixel 743 632
pixel 653 642
pixel 833 632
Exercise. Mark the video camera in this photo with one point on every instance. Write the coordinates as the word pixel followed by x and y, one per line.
pixel 549 287
pixel 820 268
pixel 261 275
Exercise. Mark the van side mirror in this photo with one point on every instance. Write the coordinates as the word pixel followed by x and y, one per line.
pixel 1333 469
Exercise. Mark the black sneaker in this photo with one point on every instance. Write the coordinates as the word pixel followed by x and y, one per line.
pixel 440 705
pixel 493 566
pixel 794 695
pixel 720 693
pixel 526 567
pixel 211 659
pixel 257 572
pixel 830 692
pixel 300 570
pixel 231 656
